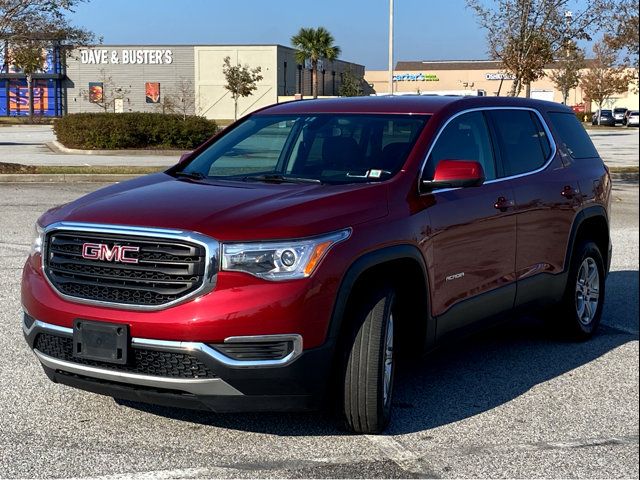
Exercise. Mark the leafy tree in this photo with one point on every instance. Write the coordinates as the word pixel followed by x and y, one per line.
pixel 351 85
pixel 32 27
pixel 15 14
pixel 29 57
pixel 314 44
pixel 604 78
pixel 623 17
pixel 241 81
pixel 566 74
pixel 526 35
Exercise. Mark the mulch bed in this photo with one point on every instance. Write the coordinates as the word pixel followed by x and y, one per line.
pixel 16 168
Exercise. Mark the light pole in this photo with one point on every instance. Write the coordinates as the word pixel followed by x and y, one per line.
pixel 391 47
pixel 568 16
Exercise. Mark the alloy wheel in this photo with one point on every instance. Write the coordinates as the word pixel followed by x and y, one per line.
pixel 587 291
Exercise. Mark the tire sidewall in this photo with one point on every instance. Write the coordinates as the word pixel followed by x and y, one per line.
pixel 366 304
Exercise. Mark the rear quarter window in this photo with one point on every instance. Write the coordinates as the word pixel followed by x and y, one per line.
pixel 573 135
pixel 523 141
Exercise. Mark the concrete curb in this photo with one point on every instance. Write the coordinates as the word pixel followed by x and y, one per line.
pixel 63 178
pixel 57 147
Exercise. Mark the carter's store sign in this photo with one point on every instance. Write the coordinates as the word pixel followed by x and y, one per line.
pixel 416 77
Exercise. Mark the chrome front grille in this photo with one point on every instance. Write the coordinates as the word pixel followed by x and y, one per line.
pixel 158 271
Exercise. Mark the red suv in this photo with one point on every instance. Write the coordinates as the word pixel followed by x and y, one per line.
pixel 293 256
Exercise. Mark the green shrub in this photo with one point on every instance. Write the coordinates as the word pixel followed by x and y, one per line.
pixel 112 131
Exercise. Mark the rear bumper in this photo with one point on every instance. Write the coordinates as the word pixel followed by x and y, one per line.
pixel 298 383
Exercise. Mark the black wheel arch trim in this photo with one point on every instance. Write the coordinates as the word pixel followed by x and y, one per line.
pixel 586 213
pixel 362 264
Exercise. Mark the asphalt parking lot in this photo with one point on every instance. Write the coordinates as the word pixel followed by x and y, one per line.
pixel 510 402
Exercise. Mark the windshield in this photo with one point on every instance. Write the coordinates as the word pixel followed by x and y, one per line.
pixel 327 148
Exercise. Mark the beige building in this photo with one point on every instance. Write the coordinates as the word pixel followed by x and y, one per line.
pixel 145 77
pixel 283 77
pixel 480 77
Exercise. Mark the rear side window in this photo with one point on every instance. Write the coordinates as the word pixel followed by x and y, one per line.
pixel 573 135
pixel 523 141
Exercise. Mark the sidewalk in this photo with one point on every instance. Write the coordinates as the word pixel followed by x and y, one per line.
pixel 27 145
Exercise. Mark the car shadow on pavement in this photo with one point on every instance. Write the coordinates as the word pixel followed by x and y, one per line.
pixel 465 378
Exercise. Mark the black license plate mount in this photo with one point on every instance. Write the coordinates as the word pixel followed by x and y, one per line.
pixel 100 341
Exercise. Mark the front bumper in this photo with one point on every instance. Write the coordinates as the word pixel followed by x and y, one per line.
pixel 222 384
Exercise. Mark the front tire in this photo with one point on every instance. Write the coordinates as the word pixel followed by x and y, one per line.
pixel 580 311
pixel 369 369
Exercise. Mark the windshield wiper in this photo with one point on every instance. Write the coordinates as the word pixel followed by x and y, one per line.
pixel 190 175
pixel 277 178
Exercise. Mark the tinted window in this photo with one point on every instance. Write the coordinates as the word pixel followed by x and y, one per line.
pixel 332 148
pixel 573 135
pixel 465 138
pixel 523 141
pixel 253 154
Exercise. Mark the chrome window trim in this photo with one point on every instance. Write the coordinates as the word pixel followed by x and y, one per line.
pixel 212 260
pixel 552 144
pixel 199 347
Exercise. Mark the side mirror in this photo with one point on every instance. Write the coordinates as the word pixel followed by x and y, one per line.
pixel 184 157
pixel 455 174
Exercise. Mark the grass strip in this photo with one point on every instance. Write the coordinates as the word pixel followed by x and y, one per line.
pixel 15 168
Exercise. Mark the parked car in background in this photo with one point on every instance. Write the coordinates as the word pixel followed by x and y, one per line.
pixel 632 118
pixel 606 118
pixel 619 114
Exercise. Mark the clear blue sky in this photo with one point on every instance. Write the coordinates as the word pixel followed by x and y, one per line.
pixel 424 29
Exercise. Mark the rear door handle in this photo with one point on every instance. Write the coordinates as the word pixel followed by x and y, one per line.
pixel 503 204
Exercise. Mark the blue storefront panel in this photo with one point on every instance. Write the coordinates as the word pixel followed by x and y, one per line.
pixel 14 93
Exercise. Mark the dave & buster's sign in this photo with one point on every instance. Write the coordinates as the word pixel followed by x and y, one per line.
pixel 145 56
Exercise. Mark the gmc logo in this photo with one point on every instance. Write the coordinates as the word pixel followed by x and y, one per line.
pixel 100 251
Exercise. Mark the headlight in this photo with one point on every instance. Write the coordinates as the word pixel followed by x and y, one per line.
pixel 37 238
pixel 283 260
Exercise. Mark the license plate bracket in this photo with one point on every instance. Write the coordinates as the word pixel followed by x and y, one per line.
pixel 101 341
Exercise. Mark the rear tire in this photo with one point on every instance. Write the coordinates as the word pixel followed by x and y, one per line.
pixel 580 311
pixel 369 365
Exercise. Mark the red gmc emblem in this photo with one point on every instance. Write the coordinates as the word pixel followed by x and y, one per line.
pixel 100 251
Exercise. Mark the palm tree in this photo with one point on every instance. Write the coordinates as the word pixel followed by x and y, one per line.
pixel 314 44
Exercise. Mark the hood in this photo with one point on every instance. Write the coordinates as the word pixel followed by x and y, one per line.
pixel 228 210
